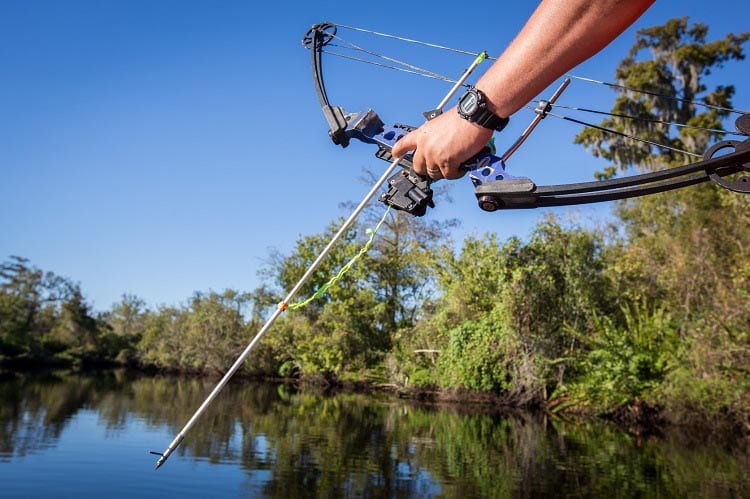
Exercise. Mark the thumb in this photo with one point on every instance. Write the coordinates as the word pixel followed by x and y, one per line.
pixel 407 143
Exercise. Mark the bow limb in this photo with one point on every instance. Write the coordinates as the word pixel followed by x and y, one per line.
pixel 501 194
pixel 316 38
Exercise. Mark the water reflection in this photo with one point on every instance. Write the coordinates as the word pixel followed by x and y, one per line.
pixel 289 443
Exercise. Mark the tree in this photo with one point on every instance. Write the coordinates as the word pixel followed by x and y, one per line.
pixel 685 246
pixel 127 316
pixel 671 90
pixel 204 336
pixel 123 326
pixel 340 328
pixel 405 258
pixel 213 330
pixel 686 252
pixel 76 327
pixel 30 301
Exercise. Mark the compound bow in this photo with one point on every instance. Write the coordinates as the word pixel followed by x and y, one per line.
pixel 496 189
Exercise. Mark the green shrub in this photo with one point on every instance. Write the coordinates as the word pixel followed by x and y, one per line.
pixel 625 361
pixel 478 357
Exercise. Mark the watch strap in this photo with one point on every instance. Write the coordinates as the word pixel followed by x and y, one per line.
pixel 487 119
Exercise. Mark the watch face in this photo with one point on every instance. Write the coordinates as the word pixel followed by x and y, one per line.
pixel 469 103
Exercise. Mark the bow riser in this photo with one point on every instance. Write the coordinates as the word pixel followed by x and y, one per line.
pixel 366 126
pixel 409 191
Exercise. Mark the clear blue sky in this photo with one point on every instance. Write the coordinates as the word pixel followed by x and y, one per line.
pixel 162 147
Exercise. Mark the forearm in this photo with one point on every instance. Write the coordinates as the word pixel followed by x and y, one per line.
pixel 558 36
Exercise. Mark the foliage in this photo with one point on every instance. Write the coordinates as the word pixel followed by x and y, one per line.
pixel 713 378
pixel 680 59
pixel 556 282
pixel 354 325
pixel 204 336
pixel 43 315
pixel 625 362
pixel 477 357
pixel 126 321
pixel 502 311
pixel 684 251
pixel 686 248
pixel 488 355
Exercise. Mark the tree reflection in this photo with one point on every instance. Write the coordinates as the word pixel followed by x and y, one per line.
pixel 292 443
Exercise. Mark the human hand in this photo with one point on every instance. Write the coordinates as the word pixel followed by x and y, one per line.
pixel 442 144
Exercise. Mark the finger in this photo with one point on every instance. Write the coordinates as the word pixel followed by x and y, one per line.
pixel 434 173
pixel 454 173
pixel 419 163
pixel 407 143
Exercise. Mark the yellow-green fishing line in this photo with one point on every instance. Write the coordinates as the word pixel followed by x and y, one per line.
pixel 321 290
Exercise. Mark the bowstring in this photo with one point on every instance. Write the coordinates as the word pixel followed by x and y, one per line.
pixel 569 75
pixel 429 74
pixel 352 46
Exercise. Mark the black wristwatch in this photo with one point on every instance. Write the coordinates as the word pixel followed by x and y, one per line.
pixel 472 106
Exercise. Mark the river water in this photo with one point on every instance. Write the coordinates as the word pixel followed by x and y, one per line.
pixel 72 435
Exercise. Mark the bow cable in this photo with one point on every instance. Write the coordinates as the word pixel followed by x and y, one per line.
pixel 582 78
pixel 622 134
pixel 657 94
pixel 644 120
pixel 411 69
